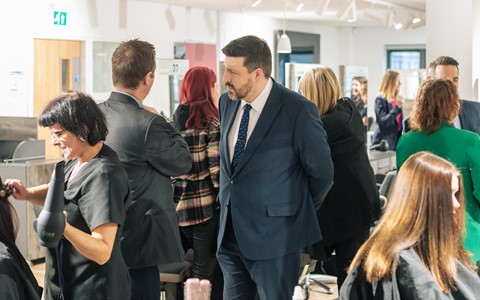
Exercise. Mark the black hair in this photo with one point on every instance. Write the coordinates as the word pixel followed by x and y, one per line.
pixel 255 50
pixel 8 218
pixel 78 113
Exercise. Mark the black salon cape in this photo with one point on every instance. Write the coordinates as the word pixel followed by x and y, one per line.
pixel 16 279
pixel 410 281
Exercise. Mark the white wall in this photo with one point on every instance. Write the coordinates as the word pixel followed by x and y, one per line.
pixel 476 49
pixel 450 33
pixel 24 20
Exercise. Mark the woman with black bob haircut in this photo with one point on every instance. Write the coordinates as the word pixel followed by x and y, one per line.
pixel 78 113
pixel 87 263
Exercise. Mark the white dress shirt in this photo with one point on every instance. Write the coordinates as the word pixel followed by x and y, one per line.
pixel 257 107
pixel 457 123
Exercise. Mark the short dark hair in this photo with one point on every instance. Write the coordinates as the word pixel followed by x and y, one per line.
pixel 255 50
pixel 78 113
pixel 131 61
pixel 437 102
pixel 441 61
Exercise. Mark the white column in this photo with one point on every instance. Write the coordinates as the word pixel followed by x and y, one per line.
pixel 476 49
pixel 449 28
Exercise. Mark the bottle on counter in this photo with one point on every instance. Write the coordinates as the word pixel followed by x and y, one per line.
pixel 298 293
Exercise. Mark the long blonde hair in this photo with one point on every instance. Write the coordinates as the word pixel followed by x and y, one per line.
pixel 320 86
pixel 387 86
pixel 419 215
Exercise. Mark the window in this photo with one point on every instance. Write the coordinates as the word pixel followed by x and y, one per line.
pixel 405 59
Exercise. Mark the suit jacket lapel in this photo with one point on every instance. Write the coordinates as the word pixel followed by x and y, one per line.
pixel 269 113
pixel 461 116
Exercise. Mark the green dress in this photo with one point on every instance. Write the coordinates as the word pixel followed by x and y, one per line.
pixel 462 148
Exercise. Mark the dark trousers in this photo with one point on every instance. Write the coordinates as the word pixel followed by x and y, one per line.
pixel 247 279
pixel 202 238
pixel 145 283
pixel 344 253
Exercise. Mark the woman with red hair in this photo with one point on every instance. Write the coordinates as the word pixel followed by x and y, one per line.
pixel 196 118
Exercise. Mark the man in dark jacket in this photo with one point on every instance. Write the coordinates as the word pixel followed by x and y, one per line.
pixel 151 151
pixel 445 67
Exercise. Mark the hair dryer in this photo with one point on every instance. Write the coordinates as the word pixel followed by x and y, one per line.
pixel 50 223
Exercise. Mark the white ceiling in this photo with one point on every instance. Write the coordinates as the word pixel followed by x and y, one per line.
pixel 279 9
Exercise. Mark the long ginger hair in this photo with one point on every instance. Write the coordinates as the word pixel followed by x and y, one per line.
pixel 196 93
pixel 419 215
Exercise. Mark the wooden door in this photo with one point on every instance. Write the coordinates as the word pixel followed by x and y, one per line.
pixel 57 67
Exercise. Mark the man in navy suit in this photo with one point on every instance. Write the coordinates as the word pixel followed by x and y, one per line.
pixel 275 169
pixel 445 67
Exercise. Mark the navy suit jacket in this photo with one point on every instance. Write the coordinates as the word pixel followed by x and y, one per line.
pixel 469 117
pixel 284 173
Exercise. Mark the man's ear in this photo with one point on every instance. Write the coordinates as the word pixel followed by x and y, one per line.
pixel 259 73
pixel 148 78
pixel 428 77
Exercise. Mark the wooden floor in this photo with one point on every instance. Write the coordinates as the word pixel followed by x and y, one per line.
pixel 316 292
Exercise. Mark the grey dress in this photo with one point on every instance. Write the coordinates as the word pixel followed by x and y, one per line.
pixel 97 195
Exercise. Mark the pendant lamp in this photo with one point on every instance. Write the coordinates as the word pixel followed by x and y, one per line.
pixel 284 45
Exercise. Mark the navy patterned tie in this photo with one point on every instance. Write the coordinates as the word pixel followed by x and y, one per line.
pixel 242 137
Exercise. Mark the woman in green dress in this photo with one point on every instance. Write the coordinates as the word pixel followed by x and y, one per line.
pixel 436 107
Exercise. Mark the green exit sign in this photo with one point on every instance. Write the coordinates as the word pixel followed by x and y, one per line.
pixel 59 18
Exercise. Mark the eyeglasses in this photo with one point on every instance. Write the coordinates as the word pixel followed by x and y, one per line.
pixel 57 134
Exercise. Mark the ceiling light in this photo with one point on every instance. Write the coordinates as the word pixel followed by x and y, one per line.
pixel 352 16
pixel 299 7
pixel 322 7
pixel 408 21
pixel 344 10
pixel 284 45
pixel 255 3
pixel 416 20
pixel 398 26
pixel 388 20
pixel 418 25
pixel 170 18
